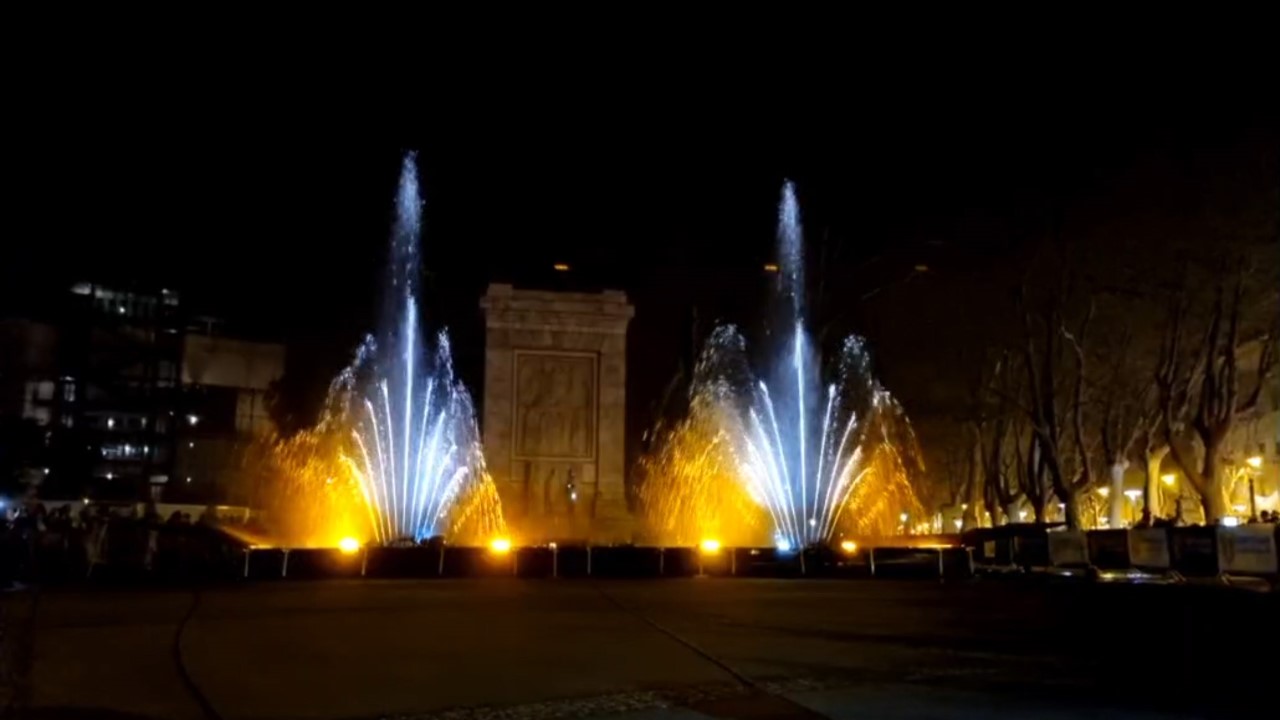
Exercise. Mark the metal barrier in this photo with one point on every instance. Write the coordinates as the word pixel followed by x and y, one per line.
pixel 1067 549
pixel 1211 552
pixel 1149 549
pixel 1247 550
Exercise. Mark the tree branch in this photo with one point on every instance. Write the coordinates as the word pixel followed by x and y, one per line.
pixel 1266 364
pixel 1085 476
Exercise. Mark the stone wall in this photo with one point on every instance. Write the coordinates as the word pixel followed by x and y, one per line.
pixel 554 411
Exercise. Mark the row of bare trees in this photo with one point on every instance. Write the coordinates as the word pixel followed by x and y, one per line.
pixel 1140 331
pixel 1101 375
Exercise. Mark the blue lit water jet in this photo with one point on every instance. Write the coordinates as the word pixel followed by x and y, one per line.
pixel 416 447
pixel 808 452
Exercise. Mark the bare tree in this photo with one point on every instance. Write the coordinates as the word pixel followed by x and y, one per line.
pixel 973 425
pixel 1069 489
pixel 1001 463
pixel 1154 448
pixel 1200 394
pixel 1032 472
pixel 954 466
pixel 1055 389
pixel 992 474
pixel 973 499
pixel 1125 403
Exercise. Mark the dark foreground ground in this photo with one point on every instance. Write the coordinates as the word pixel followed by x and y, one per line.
pixel 666 649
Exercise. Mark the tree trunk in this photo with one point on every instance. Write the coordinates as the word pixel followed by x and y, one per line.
pixel 1213 497
pixel 1115 513
pixel 997 516
pixel 1011 513
pixel 973 513
pixel 1074 516
pixel 1037 507
pixel 1151 498
pixel 992 507
pixel 973 516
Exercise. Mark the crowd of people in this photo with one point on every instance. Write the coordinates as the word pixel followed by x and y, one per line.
pixel 66 543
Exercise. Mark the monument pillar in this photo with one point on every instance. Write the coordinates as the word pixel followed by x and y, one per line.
pixel 554 411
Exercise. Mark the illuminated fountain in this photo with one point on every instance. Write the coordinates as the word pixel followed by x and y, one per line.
pixel 396 456
pixel 783 455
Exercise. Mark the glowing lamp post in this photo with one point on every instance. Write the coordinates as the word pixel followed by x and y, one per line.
pixel 1133 496
pixel 1255 469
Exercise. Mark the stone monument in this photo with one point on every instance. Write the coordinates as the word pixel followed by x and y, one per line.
pixel 554 411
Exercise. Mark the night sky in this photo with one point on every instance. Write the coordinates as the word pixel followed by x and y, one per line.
pixel 264 192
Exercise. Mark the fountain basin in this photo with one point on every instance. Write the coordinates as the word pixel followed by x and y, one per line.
pixel 615 561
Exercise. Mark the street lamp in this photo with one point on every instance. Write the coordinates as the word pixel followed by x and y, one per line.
pixel 1255 469
pixel 1168 479
pixel 1133 496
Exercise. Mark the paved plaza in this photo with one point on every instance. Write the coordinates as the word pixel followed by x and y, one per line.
pixel 641 649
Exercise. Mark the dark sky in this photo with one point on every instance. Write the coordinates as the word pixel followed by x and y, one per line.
pixel 263 189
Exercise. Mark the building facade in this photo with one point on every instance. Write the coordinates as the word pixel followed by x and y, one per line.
pixel 119 395
pixel 1252 450
pixel 226 386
